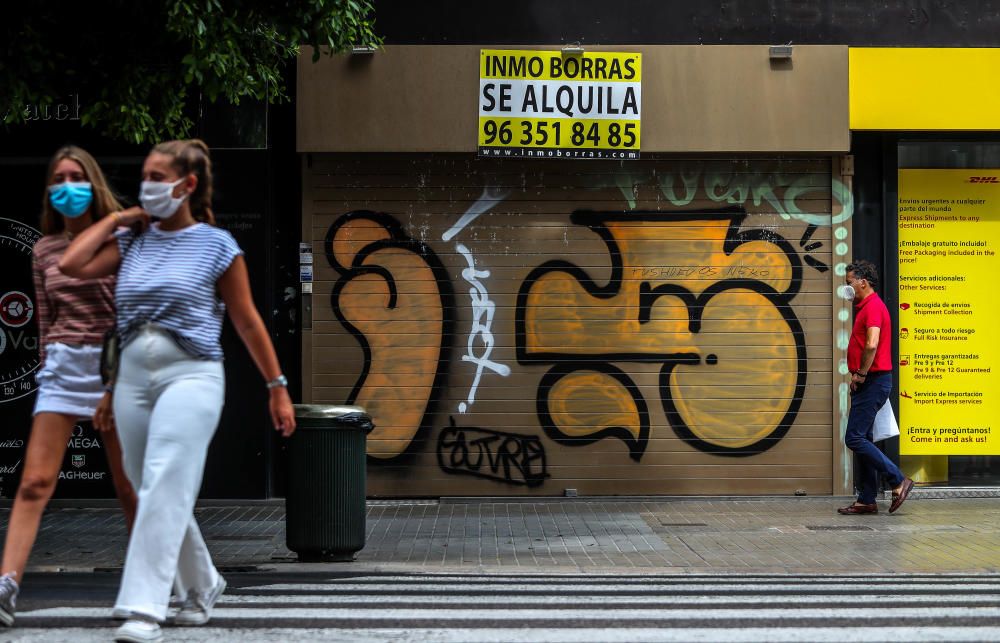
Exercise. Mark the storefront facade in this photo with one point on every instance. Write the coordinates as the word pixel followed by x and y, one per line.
pixel 665 324
pixel 253 191
pixel 554 326
pixel 925 126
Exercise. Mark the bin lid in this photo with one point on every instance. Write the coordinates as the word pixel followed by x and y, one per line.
pixel 326 410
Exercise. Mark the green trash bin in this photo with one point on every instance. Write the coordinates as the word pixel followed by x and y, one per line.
pixel 325 498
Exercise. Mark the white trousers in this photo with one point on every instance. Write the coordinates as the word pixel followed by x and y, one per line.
pixel 167 407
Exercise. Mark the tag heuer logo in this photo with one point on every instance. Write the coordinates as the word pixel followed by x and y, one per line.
pixel 78 461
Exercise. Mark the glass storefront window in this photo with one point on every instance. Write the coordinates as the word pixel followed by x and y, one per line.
pixel 948 155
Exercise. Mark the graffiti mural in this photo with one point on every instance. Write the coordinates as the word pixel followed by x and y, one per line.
pixel 481 334
pixel 400 324
pixel 480 342
pixel 686 317
pixel 787 194
pixel 665 329
pixel 494 455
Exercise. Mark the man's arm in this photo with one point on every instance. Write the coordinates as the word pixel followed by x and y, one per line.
pixel 871 345
pixel 867 356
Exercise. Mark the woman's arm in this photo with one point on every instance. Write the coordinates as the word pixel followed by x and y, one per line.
pixel 104 414
pixel 43 310
pixel 234 286
pixel 94 252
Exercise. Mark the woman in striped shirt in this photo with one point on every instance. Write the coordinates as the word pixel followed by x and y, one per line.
pixel 73 315
pixel 176 280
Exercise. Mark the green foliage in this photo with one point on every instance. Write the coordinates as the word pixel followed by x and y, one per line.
pixel 140 67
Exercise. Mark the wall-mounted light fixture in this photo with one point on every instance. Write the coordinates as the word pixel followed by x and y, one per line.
pixel 362 50
pixel 780 52
pixel 573 49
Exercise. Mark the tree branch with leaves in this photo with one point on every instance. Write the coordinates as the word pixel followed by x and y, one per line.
pixel 142 66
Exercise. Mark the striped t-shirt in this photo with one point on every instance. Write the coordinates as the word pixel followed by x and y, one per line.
pixel 169 279
pixel 69 310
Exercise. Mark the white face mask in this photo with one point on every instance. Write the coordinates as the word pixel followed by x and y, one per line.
pixel 847 292
pixel 157 198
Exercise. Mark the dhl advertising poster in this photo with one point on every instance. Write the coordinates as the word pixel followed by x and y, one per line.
pixel 949 317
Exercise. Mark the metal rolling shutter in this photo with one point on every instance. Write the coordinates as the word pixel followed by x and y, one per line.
pixel 652 327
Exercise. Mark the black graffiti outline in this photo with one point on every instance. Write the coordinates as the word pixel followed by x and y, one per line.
pixel 809 259
pixel 695 311
pixel 735 237
pixel 397 239
pixel 502 459
pixel 636 445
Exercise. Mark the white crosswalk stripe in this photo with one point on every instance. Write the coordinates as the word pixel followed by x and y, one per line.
pixel 575 608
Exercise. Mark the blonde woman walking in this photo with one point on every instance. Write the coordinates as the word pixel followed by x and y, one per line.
pixel 73 315
pixel 175 282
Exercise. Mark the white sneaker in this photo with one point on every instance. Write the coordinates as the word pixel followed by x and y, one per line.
pixel 197 608
pixel 8 599
pixel 121 614
pixel 137 630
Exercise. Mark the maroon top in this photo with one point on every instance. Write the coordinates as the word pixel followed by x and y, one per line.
pixel 70 311
pixel 871 313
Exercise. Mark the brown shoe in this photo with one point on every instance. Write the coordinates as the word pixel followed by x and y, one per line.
pixel 858 508
pixel 899 498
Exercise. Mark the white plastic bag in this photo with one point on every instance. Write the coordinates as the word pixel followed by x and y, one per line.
pixel 885 424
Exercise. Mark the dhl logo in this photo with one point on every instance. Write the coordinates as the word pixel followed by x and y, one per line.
pixel 984 179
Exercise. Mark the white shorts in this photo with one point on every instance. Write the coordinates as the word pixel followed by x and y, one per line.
pixel 70 380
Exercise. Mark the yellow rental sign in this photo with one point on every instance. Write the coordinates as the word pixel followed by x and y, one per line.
pixel 949 356
pixel 548 104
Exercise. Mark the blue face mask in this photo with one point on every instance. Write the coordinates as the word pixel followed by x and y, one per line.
pixel 71 199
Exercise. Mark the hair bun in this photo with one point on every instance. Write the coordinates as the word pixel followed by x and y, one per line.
pixel 200 144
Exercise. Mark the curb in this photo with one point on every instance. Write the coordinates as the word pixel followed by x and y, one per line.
pixel 347 570
pixel 928 493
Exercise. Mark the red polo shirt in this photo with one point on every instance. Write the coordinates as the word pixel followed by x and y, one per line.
pixel 871 313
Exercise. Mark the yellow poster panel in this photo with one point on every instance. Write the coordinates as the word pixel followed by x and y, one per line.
pixel 556 133
pixel 549 104
pixel 527 64
pixel 949 354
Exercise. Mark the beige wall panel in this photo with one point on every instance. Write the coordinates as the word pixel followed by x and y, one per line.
pixel 657 328
pixel 424 98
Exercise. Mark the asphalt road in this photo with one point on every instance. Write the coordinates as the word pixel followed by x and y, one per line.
pixel 275 606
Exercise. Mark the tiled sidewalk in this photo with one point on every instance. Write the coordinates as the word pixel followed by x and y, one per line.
pixel 684 535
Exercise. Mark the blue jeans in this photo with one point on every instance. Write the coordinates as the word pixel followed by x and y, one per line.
pixel 865 404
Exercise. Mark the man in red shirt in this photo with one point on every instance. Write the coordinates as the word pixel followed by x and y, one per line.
pixel 869 359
